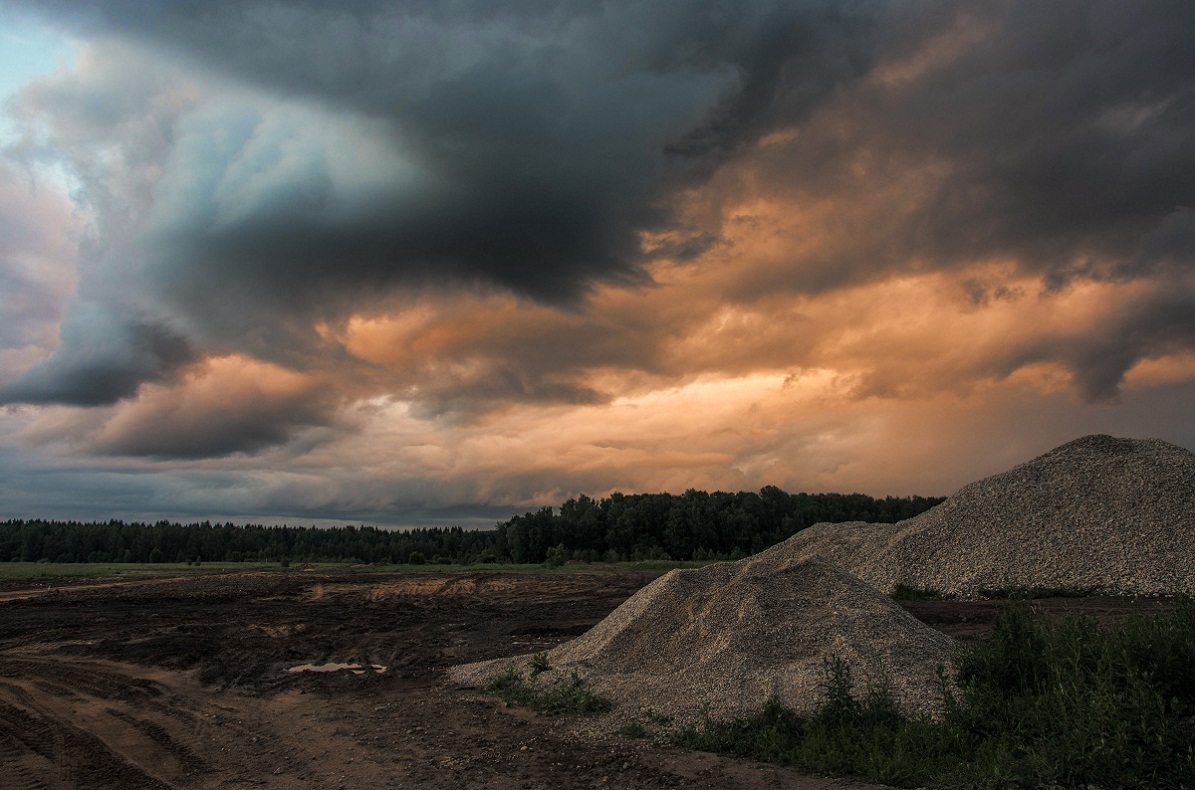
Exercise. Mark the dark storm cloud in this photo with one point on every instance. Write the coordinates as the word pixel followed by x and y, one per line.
pixel 100 361
pixel 1071 137
pixel 541 126
pixel 1073 133
pixel 786 71
pixel 221 429
pixel 1161 323
pixel 1060 135
pixel 538 134
pixel 527 146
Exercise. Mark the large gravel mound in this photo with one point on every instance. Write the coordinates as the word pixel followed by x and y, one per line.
pixel 722 639
pixel 1114 515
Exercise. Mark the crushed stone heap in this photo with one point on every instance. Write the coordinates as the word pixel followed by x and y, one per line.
pixel 721 639
pixel 1100 513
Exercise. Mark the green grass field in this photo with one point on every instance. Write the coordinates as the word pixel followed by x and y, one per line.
pixel 50 570
pixel 53 570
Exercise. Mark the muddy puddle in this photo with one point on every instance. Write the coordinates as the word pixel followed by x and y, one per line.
pixel 332 666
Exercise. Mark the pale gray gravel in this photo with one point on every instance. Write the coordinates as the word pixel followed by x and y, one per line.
pixel 720 640
pixel 1115 515
pixel 1101 513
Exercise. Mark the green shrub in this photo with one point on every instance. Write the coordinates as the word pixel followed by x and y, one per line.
pixel 1040 704
pixel 633 729
pixel 539 664
pixel 556 556
pixel 560 695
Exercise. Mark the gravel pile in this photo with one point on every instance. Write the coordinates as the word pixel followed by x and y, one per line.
pixel 1113 515
pixel 721 639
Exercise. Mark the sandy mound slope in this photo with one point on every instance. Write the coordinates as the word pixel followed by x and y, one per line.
pixel 724 638
pixel 1117 515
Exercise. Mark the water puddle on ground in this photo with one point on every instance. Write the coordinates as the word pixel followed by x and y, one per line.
pixel 356 669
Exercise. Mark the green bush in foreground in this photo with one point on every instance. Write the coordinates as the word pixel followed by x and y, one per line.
pixel 1041 704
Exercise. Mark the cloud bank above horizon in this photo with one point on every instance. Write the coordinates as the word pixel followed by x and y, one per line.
pixel 433 262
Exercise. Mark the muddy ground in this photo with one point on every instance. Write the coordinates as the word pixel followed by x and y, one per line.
pixel 184 683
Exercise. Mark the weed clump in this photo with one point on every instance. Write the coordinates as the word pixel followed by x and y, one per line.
pixel 1040 704
pixel 556 695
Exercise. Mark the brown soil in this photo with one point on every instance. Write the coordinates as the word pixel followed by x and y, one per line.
pixel 183 682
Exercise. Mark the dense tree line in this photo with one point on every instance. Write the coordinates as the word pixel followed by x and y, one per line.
pixel 694 525
pixel 118 541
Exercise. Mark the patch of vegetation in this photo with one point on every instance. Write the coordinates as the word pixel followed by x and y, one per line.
pixel 649 724
pixel 1041 704
pixel 848 736
pixel 666 565
pixel 539 665
pixel 633 730
pixel 905 592
pixel 556 556
pixel 554 696
pixel 54 570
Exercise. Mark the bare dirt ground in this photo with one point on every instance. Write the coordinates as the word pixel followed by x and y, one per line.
pixel 184 683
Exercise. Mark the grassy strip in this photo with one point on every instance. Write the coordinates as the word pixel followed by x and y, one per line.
pixel 536 568
pixel 1041 704
pixel 50 570
pixel 56 570
pixel 555 695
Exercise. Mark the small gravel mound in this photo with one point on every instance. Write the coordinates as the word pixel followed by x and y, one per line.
pixel 1099 513
pixel 720 640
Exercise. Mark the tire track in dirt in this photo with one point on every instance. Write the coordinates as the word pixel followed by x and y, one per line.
pixel 183 683
pixel 19 767
pixel 75 755
pixel 74 718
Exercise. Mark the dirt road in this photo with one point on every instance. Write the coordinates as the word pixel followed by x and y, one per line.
pixel 186 683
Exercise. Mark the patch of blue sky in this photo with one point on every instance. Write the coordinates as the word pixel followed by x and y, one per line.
pixel 28 51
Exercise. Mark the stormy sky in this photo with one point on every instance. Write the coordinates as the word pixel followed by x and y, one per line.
pixel 441 262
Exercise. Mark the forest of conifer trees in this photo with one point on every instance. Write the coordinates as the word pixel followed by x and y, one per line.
pixel 695 525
